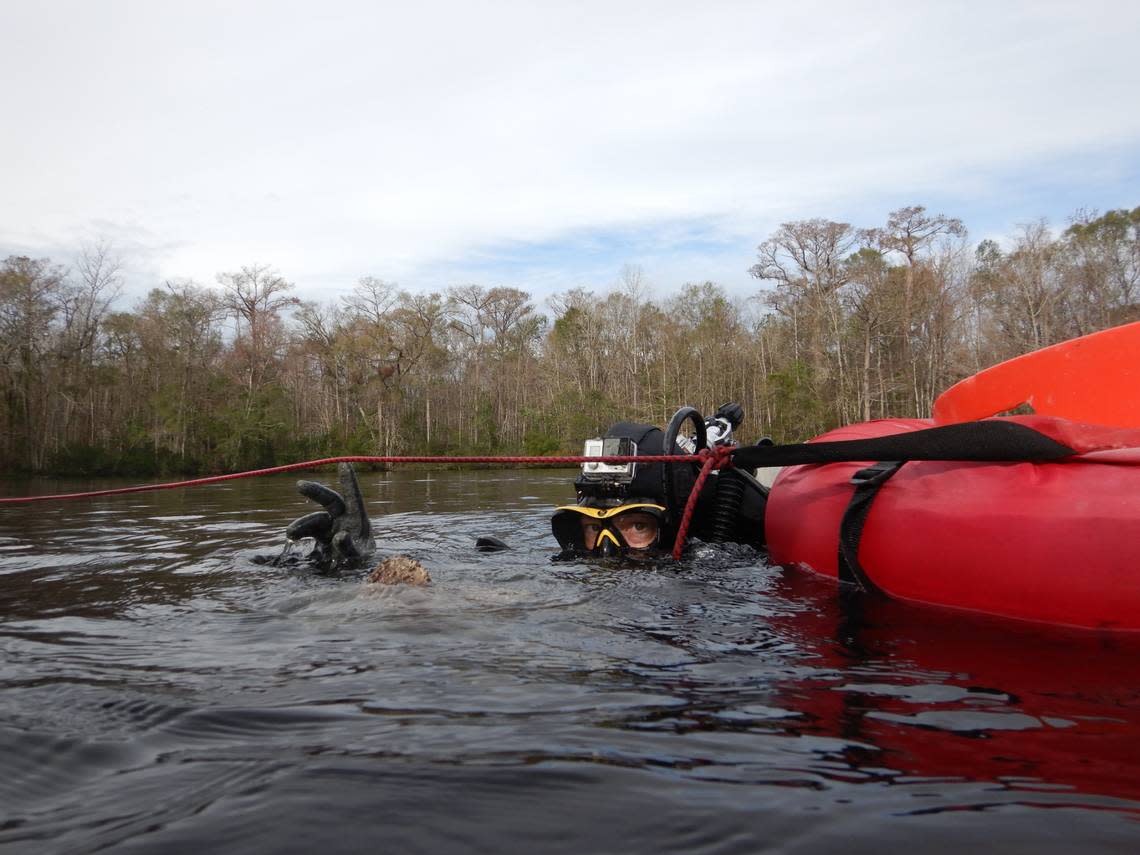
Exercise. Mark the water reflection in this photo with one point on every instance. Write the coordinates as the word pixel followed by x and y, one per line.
pixel 162 688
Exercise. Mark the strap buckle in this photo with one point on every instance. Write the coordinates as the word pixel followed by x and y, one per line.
pixel 877 474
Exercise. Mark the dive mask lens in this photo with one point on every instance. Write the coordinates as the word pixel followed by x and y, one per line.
pixel 638 529
pixel 590 532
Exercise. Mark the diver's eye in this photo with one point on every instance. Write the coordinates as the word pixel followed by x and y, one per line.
pixel 638 530
pixel 590 532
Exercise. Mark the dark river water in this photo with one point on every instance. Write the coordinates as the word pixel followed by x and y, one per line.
pixel 163 691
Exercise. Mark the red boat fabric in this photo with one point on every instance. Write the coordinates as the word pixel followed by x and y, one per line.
pixel 1054 542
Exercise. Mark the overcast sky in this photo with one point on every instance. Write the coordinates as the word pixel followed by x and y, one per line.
pixel 543 145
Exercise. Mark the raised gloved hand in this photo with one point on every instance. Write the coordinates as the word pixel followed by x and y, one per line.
pixel 341 533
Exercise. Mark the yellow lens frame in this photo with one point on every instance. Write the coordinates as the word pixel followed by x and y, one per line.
pixel 606 513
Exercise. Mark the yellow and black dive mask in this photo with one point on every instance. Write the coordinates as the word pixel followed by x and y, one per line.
pixel 609 531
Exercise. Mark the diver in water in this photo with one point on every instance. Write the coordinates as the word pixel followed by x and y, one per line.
pixel 630 510
pixel 633 510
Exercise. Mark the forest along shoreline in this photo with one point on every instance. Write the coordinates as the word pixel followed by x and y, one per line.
pixel 849 323
pixel 16 481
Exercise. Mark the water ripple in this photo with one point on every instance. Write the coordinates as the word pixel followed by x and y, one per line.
pixel 165 690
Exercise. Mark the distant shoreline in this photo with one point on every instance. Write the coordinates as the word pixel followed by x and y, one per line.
pixel 12 478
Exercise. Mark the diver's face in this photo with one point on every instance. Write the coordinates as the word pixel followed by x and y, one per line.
pixel 638 530
pixel 633 529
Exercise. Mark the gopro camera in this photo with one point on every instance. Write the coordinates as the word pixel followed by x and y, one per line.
pixel 612 473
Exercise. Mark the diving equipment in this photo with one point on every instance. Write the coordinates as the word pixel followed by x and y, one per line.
pixel 340 535
pixel 611 531
pixel 728 511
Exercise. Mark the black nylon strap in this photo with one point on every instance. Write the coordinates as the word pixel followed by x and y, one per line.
pixel 984 441
pixel 867 483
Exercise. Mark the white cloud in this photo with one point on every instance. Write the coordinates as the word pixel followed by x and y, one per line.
pixel 339 139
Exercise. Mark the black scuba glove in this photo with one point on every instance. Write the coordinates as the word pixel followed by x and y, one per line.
pixel 341 533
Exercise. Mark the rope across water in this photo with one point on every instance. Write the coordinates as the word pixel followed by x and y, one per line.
pixel 709 459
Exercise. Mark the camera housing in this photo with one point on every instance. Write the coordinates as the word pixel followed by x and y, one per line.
pixel 607 479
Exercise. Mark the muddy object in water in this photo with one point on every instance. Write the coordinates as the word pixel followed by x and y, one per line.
pixel 400 570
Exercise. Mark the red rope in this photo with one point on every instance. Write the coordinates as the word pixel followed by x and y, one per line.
pixel 718 457
pixel 311 464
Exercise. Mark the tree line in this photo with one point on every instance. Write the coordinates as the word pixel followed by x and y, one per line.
pixel 847 324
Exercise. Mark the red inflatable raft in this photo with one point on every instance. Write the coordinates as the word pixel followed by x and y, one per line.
pixel 1053 540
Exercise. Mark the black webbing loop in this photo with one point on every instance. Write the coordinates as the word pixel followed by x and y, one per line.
pixel 867 483
pixel 989 440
